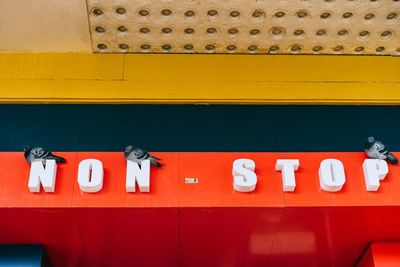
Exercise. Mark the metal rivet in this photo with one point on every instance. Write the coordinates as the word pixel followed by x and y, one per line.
pixel 210 47
pixel 254 31
pixel 347 15
pixel 369 16
pixel 166 12
pixel 166 30
pixel 101 46
pixel 144 30
pixel 231 47
pixel 120 10
pixel 258 13
pixel 359 49
pixel 145 46
pixel 234 14
pixel 295 48
pixel 188 47
pixel 123 46
pixel 212 13
pixel 298 32
pixel 97 12
pixel 233 31
pixel 338 48
pixel 144 13
pixel 211 30
pixel 325 15
pixel 392 16
pixel 386 33
pixel 274 48
pixel 100 29
pixel 317 48
pixel 122 29
pixel 302 14
pixel 276 31
pixel 166 47
pixel 252 48
pixel 189 31
pixel 189 13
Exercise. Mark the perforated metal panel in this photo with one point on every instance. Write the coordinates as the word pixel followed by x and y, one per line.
pixel 252 26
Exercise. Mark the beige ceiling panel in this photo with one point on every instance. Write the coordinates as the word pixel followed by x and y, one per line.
pixel 246 26
pixel 44 25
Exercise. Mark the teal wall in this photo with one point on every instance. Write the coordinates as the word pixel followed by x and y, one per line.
pixel 197 127
pixel 22 256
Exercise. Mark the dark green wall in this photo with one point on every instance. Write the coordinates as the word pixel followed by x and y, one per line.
pixel 197 127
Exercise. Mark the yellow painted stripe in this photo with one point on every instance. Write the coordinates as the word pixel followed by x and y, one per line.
pixel 228 79
pixel 46 91
pixel 211 68
pixel 68 66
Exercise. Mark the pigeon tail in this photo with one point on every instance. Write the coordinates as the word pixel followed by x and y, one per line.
pixel 392 159
pixel 155 158
pixel 56 158
pixel 155 163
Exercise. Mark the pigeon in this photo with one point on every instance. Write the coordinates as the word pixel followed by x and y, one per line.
pixel 138 155
pixel 377 150
pixel 33 154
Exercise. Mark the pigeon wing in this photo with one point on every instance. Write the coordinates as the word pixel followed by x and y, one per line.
pixel 381 148
pixel 141 154
pixel 39 153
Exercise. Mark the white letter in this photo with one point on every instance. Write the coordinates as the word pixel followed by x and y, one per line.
pixel 288 166
pixel 90 175
pixel 44 175
pixel 331 175
pixel 244 178
pixel 141 175
pixel 374 170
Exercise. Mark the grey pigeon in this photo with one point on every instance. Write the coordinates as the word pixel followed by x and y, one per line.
pixel 377 150
pixel 33 154
pixel 138 155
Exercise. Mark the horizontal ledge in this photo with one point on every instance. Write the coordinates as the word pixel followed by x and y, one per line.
pixel 169 92
pixel 198 67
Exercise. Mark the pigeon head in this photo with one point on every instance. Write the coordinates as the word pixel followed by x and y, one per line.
pixel 27 150
pixel 370 142
pixel 128 150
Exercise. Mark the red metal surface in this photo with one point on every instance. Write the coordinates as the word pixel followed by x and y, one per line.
pixel 205 224
pixel 381 255
pixel 310 236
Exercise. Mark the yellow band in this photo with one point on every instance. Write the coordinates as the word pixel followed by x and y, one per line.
pixel 228 79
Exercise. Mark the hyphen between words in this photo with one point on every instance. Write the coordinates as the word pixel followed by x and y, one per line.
pixel 90 175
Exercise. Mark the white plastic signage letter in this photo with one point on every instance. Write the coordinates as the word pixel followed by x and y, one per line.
pixel 288 166
pixel 43 175
pixel 90 175
pixel 244 178
pixel 374 170
pixel 141 175
pixel 331 175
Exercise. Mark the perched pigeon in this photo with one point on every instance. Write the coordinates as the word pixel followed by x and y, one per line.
pixel 138 155
pixel 33 154
pixel 377 150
